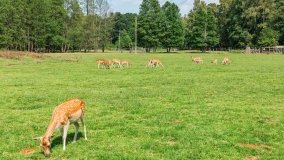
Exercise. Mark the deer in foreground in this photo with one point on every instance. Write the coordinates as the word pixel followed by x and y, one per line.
pixel 197 60
pixel 64 114
pixel 154 63
pixel 226 60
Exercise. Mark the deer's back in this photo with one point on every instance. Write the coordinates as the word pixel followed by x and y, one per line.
pixel 69 107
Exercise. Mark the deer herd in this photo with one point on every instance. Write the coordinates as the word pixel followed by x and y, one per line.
pixel 199 60
pixel 114 63
pixel 152 63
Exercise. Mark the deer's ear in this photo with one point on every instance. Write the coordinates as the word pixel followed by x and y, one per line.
pixel 37 138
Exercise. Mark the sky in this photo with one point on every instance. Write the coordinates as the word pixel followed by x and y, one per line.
pixel 132 6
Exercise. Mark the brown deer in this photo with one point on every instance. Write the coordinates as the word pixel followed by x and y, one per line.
pixel 115 63
pixel 226 60
pixel 154 63
pixel 105 63
pixel 197 60
pixel 214 61
pixel 64 114
pixel 124 63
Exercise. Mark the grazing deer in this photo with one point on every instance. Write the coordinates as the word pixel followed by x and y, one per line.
pixel 116 62
pixel 214 61
pixel 226 60
pixel 64 114
pixel 100 62
pixel 197 60
pixel 104 62
pixel 124 63
pixel 154 63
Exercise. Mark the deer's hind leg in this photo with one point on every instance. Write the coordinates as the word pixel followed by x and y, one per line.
pixel 76 124
pixel 85 130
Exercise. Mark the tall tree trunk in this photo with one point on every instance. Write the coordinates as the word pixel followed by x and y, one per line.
pixel 148 50
pixel 103 48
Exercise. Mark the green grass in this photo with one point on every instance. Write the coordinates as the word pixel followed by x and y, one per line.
pixel 182 111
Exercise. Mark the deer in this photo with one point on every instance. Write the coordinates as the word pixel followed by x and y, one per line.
pixel 104 62
pixel 100 62
pixel 197 60
pixel 226 60
pixel 124 63
pixel 214 61
pixel 116 62
pixel 154 63
pixel 64 114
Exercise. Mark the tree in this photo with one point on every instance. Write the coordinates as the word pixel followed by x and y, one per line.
pixel 278 22
pixel 173 28
pixel 88 35
pixel 150 24
pixel 188 29
pixel 104 23
pixel 37 25
pixel 105 34
pixel 238 35
pixel 125 41
pixel 60 25
pixel 199 27
pixel 213 38
pixel 55 14
pixel 203 30
pixel 243 21
pixel 119 25
pixel 12 31
pixel 258 15
pixel 223 20
pixel 124 22
pixel 73 25
pixel 5 36
pixel 268 37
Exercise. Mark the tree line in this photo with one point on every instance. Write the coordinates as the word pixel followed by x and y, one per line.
pixel 54 25
pixel 83 25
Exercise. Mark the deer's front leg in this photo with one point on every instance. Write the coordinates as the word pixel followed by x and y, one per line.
pixel 65 130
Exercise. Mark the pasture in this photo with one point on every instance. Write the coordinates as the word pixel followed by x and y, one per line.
pixel 182 111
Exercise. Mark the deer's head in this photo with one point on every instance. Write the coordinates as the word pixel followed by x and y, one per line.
pixel 45 145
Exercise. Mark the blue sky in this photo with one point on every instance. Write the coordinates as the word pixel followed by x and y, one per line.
pixel 132 6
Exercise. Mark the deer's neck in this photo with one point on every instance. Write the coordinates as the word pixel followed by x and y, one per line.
pixel 51 127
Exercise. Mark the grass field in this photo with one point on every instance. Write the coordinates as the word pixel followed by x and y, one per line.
pixel 182 111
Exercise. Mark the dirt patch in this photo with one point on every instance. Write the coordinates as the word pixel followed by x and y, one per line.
pixel 18 55
pixel 12 55
pixel 171 143
pixel 272 121
pixel 68 58
pixel 177 121
pixel 251 158
pixel 255 146
pixel 27 151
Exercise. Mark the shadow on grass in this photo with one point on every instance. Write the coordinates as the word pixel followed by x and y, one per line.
pixel 58 140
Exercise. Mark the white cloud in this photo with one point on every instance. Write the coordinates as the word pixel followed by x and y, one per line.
pixel 185 6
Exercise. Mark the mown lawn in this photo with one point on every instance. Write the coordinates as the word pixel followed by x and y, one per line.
pixel 182 111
